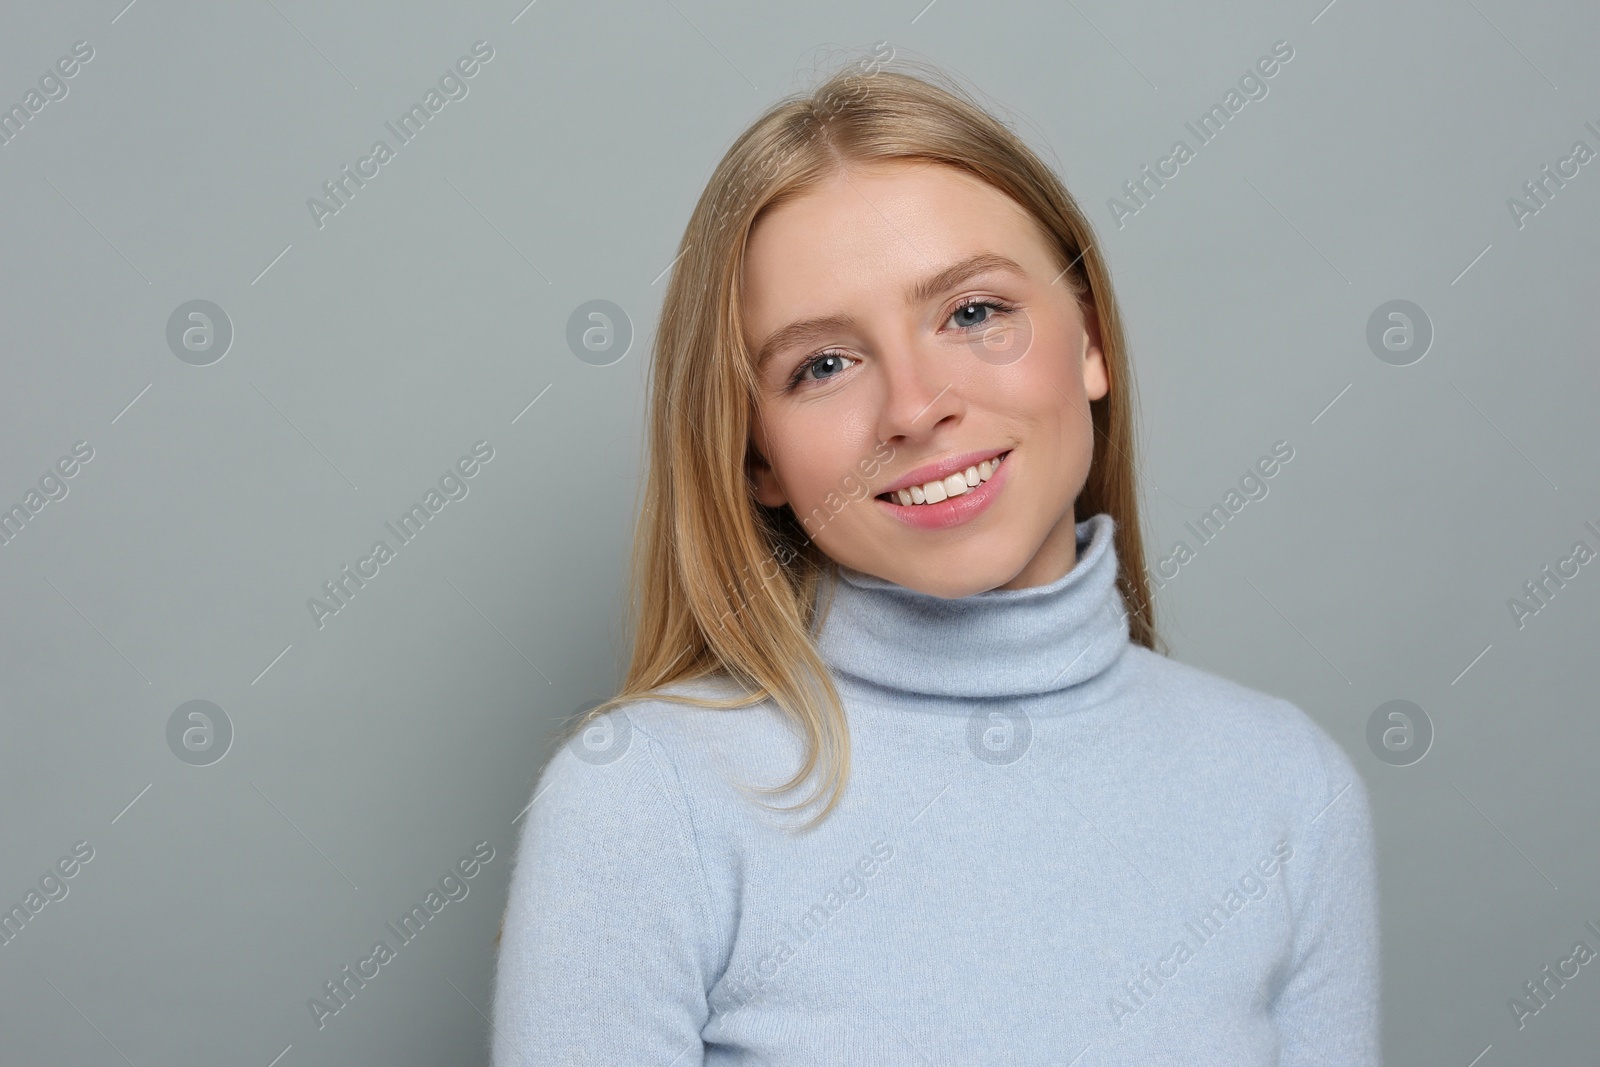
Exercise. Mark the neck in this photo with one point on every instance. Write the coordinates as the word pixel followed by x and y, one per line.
pixel 1057 556
pixel 1001 643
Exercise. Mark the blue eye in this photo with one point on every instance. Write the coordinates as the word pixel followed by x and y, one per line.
pixel 994 307
pixel 815 361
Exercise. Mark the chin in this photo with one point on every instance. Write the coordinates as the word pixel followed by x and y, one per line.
pixel 963 585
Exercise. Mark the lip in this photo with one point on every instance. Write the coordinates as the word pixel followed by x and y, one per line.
pixel 955 510
pixel 942 469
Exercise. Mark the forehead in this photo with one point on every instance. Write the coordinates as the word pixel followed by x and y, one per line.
pixel 875 230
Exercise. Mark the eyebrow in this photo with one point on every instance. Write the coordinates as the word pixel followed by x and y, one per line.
pixel 807 330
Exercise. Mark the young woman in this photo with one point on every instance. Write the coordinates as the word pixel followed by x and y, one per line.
pixel 889 556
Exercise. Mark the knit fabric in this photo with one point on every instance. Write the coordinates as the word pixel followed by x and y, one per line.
pixel 1056 847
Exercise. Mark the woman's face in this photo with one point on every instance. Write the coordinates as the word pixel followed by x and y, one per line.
pixel 920 354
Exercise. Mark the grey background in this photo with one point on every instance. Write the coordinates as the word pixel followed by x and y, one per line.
pixel 369 355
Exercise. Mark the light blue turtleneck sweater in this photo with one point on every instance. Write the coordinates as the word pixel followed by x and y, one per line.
pixel 1056 847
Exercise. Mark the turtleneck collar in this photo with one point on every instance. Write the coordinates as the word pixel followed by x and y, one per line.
pixel 1000 643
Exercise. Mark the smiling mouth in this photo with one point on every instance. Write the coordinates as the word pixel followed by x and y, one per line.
pixel 942 489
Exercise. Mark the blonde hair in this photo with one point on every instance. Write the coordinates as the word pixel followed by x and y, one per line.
pixel 724 586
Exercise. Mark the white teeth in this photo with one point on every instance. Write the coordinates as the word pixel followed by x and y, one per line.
pixel 944 488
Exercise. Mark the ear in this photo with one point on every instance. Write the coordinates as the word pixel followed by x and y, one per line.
pixel 1096 371
pixel 763 479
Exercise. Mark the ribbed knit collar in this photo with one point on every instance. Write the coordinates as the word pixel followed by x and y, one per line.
pixel 1000 643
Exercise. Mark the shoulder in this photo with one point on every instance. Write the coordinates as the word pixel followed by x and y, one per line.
pixel 692 727
pixel 618 802
pixel 1229 725
pixel 663 776
pixel 677 749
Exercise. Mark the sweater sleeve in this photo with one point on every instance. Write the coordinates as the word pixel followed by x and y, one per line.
pixel 1328 1007
pixel 608 942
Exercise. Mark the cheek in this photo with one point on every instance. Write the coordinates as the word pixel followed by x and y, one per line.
pixel 1043 393
pixel 813 459
pixel 1051 374
pixel 827 495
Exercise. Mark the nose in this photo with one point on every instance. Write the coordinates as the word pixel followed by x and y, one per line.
pixel 919 391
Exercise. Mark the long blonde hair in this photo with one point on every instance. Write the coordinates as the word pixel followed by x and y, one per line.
pixel 724 586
